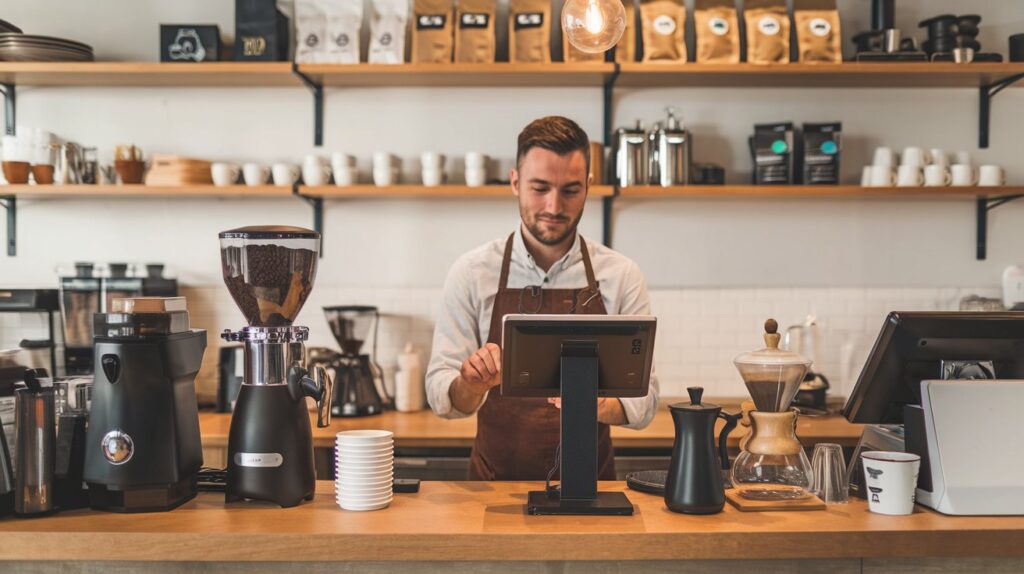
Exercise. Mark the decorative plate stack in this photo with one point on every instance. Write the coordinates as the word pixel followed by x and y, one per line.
pixel 16 47
pixel 365 469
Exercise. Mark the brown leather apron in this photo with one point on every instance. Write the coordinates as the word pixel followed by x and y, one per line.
pixel 516 438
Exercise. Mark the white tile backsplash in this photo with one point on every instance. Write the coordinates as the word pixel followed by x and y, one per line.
pixel 699 330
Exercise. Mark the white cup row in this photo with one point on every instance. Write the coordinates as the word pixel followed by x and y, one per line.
pixel 935 175
pixel 315 170
pixel 30 145
pixel 918 157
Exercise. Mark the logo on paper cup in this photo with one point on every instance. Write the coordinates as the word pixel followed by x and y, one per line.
pixel 875 491
pixel 874 472
pixel 665 25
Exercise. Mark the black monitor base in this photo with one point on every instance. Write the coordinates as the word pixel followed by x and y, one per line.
pixel 604 504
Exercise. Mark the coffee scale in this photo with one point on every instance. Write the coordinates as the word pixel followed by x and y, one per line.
pixel 269 271
pixel 772 472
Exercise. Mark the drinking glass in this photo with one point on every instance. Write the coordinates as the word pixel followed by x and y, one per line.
pixel 828 474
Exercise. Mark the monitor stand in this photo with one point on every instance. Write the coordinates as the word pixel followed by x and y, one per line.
pixel 578 493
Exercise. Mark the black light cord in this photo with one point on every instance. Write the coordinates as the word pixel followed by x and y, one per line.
pixel 551 473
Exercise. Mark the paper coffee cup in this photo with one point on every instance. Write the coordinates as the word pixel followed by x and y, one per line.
pixel 890 480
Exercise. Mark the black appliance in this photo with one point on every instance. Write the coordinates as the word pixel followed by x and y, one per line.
pixel 90 290
pixel 693 484
pixel 269 271
pixel 143 449
pixel 37 301
pixel 230 371
pixel 359 388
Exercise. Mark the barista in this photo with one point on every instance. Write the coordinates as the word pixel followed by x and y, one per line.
pixel 543 266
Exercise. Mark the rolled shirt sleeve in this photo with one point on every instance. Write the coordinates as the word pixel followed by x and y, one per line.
pixel 639 411
pixel 456 337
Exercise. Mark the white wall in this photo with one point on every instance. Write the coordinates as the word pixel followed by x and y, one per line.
pixel 720 250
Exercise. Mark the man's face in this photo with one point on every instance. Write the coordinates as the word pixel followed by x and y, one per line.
pixel 552 192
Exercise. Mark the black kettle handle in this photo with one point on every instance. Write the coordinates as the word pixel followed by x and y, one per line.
pixel 723 446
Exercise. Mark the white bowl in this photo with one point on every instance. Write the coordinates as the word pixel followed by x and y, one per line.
pixel 366 475
pixel 346 458
pixel 368 478
pixel 365 436
pixel 356 507
pixel 364 452
pixel 363 497
pixel 364 486
pixel 365 471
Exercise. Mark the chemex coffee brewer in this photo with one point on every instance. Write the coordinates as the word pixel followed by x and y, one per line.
pixel 269 271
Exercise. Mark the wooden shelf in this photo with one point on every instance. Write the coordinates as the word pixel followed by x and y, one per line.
pixel 499 74
pixel 814 191
pixel 420 191
pixel 148 74
pixel 845 75
pixel 140 191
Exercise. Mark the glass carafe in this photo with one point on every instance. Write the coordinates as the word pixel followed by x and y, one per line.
pixel 772 464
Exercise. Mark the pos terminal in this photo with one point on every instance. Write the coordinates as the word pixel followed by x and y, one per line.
pixel 578 358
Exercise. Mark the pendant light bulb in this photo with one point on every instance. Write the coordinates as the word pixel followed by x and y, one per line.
pixel 593 26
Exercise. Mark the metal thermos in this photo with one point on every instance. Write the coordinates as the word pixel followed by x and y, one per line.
pixel 670 153
pixel 631 156
pixel 33 474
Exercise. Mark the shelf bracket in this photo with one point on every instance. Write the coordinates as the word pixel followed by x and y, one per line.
pixel 986 93
pixel 318 104
pixel 608 109
pixel 9 108
pixel 317 203
pixel 984 206
pixel 11 205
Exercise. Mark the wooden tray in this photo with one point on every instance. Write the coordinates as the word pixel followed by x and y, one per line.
pixel 744 505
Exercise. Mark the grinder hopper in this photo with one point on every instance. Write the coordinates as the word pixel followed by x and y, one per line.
pixel 772 375
pixel 269 271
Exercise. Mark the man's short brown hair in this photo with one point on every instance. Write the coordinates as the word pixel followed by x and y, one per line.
pixel 556 134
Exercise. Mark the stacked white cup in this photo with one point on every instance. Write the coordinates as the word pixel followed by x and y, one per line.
pixel 433 168
pixel 315 170
pixel 929 168
pixel 365 469
pixel 344 168
pixel 476 169
pixel 385 169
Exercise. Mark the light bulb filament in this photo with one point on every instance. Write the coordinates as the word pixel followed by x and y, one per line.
pixel 593 20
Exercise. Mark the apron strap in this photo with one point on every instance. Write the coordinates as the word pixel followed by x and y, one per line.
pixel 591 280
pixel 506 261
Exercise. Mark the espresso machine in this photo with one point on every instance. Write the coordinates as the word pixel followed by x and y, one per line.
pixel 143 451
pixel 269 271
pixel 359 388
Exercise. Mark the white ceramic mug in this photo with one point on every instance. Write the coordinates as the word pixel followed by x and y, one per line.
pixel 315 170
pixel 224 173
pixel 909 176
pixel 882 176
pixel 475 177
pixel 891 481
pixel 382 160
pixel 884 156
pixel 915 157
pixel 962 157
pixel 344 168
pixel 936 175
pixel 385 176
pixel 432 177
pixel 285 173
pixel 475 160
pixel 963 175
pixel 991 176
pixel 865 176
pixel 255 173
pixel 432 160
pixel 939 157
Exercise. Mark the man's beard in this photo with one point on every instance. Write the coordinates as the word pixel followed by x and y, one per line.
pixel 533 225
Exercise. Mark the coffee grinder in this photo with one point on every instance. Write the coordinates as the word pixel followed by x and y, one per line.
pixel 269 271
pixel 358 380
pixel 143 450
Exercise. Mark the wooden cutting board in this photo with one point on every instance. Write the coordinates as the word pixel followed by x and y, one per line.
pixel 744 505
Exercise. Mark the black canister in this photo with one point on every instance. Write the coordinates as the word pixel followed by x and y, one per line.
pixel 694 482
pixel 1017 48
pixel 36 445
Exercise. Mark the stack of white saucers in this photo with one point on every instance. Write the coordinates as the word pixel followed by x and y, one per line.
pixel 365 463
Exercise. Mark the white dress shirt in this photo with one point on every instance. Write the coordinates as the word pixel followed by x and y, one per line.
pixel 464 322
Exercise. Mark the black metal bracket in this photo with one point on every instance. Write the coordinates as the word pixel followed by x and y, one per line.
pixel 317 203
pixel 985 205
pixel 986 93
pixel 318 104
pixel 10 203
pixel 10 108
pixel 608 115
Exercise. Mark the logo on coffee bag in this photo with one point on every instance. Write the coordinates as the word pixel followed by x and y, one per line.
pixel 769 26
pixel 665 25
pixel 474 20
pixel 430 21
pixel 719 26
pixel 529 20
pixel 820 27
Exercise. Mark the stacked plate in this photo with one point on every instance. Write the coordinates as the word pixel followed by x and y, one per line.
pixel 31 48
pixel 365 464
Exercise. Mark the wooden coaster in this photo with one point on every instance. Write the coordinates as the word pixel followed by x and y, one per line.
pixel 744 505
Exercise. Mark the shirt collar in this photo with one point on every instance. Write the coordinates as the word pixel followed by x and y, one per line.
pixel 519 250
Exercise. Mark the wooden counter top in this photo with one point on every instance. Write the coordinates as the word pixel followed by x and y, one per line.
pixel 486 521
pixel 424 429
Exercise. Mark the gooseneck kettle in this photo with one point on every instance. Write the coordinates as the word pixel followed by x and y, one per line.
pixel 694 482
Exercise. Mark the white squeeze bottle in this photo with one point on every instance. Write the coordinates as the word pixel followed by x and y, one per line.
pixel 410 395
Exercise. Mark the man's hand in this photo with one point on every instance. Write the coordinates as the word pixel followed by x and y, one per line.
pixel 479 373
pixel 609 411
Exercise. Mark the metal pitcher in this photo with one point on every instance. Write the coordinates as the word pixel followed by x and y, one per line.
pixel 69 164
